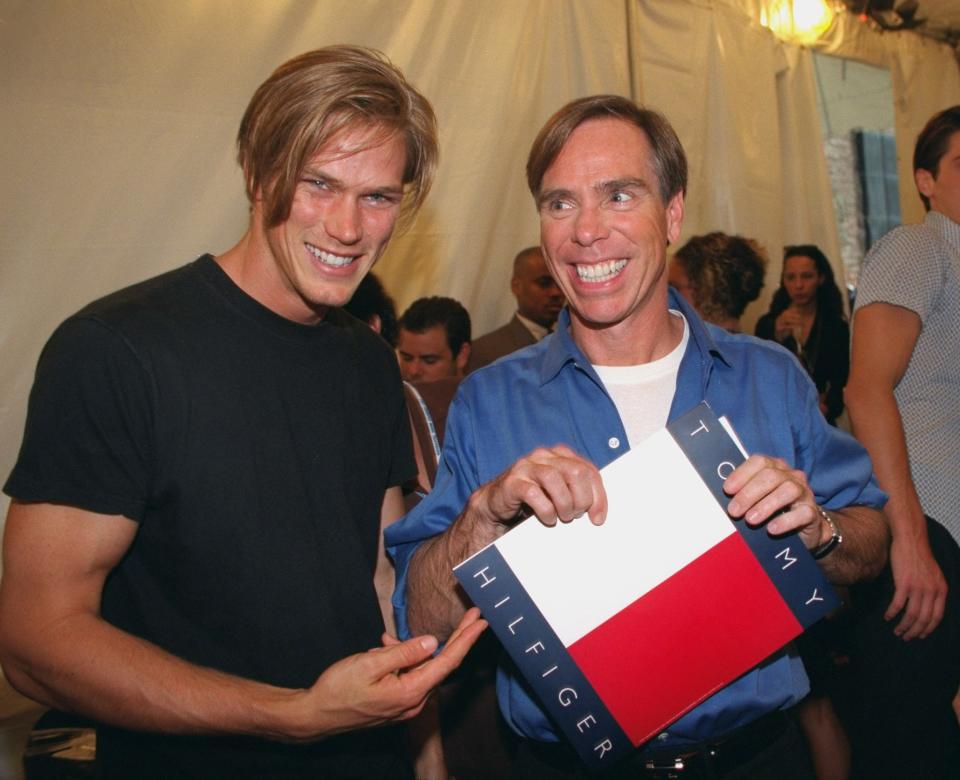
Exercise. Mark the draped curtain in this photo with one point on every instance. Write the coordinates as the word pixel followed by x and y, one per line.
pixel 117 157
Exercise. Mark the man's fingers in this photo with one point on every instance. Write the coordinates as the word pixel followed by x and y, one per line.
pixel 389 640
pixel 432 673
pixel 909 624
pixel 939 608
pixel 556 484
pixel 762 486
pixel 598 513
pixel 397 657
pixel 896 606
pixel 464 635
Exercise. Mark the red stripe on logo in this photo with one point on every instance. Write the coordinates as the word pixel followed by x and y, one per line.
pixel 695 632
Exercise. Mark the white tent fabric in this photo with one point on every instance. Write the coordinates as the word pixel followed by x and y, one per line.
pixel 116 143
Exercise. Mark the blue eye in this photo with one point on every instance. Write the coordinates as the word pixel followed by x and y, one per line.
pixel 381 199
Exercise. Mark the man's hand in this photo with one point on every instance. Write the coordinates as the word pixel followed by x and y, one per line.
pixel 763 488
pixel 383 685
pixel 553 483
pixel 767 490
pixel 920 589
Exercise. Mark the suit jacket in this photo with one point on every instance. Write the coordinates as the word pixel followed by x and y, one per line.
pixel 499 342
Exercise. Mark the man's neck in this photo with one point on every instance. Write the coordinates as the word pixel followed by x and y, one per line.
pixel 632 342
pixel 947 214
pixel 251 266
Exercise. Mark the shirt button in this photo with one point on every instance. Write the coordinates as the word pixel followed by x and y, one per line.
pixel 613 442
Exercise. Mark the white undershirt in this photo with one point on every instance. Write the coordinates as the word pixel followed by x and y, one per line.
pixel 643 393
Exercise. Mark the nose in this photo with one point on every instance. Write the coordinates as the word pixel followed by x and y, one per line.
pixel 589 225
pixel 344 222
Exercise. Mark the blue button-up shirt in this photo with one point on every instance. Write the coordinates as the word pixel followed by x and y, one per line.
pixel 549 394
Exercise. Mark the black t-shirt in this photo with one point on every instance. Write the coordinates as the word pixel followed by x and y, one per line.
pixel 254 453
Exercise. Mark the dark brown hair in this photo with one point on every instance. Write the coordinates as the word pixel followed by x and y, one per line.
pixel 669 160
pixel 932 143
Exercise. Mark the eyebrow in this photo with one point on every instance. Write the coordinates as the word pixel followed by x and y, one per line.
pixel 554 194
pixel 333 181
pixel 630 182
pixel 603 188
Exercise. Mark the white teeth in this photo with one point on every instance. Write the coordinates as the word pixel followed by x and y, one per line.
pixel 329 259
pixel 600 272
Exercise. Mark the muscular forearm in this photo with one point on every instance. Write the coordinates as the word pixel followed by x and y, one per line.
pixel 863 552
pixel 876 422
pixel 82 664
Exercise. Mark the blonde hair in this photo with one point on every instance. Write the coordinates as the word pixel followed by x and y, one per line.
pixel 308 100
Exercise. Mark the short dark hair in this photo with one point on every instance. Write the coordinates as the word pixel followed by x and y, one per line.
pixel 829 299
pixel 372 298
pixel 426 313
pixel 311 98
pixel 725 273
pixel 522 256
pixel 932 143
pixel 669 160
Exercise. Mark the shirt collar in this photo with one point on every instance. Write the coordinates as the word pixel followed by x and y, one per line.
pixel 945 226
pixel 702 347
pixel 536 329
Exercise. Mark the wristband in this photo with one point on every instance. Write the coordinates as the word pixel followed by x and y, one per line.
pixel 835 537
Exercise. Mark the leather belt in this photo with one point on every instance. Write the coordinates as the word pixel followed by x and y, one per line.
pixel 715 757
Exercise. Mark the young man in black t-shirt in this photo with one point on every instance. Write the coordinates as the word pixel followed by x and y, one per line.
pixel 209 457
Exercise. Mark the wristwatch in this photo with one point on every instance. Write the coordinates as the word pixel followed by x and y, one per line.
pixel 835 536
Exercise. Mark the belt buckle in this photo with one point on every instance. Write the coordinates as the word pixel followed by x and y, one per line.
pixel 668 770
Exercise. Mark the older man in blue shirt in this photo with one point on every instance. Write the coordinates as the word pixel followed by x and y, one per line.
pixel 530 432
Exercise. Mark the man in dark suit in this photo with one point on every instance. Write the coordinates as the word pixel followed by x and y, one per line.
pixel 539 301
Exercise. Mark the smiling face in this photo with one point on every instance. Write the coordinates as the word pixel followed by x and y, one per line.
pixel 801 279
pixel 604 227
pixel 343 213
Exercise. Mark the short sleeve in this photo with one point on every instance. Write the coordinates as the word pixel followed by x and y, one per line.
pixel 88 428
pixel 907 253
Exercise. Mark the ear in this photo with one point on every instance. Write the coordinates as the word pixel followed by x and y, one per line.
pixel 376 323
pixel 925 181
pixel 462 357
pixel 674 217
pixel 514 286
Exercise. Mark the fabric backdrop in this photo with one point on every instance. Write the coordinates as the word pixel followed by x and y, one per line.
pixel 118 121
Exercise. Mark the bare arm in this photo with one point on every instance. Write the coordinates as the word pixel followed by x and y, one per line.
pixel 884 337
pixel 556 484
pixel 384 577
pixel 56 649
